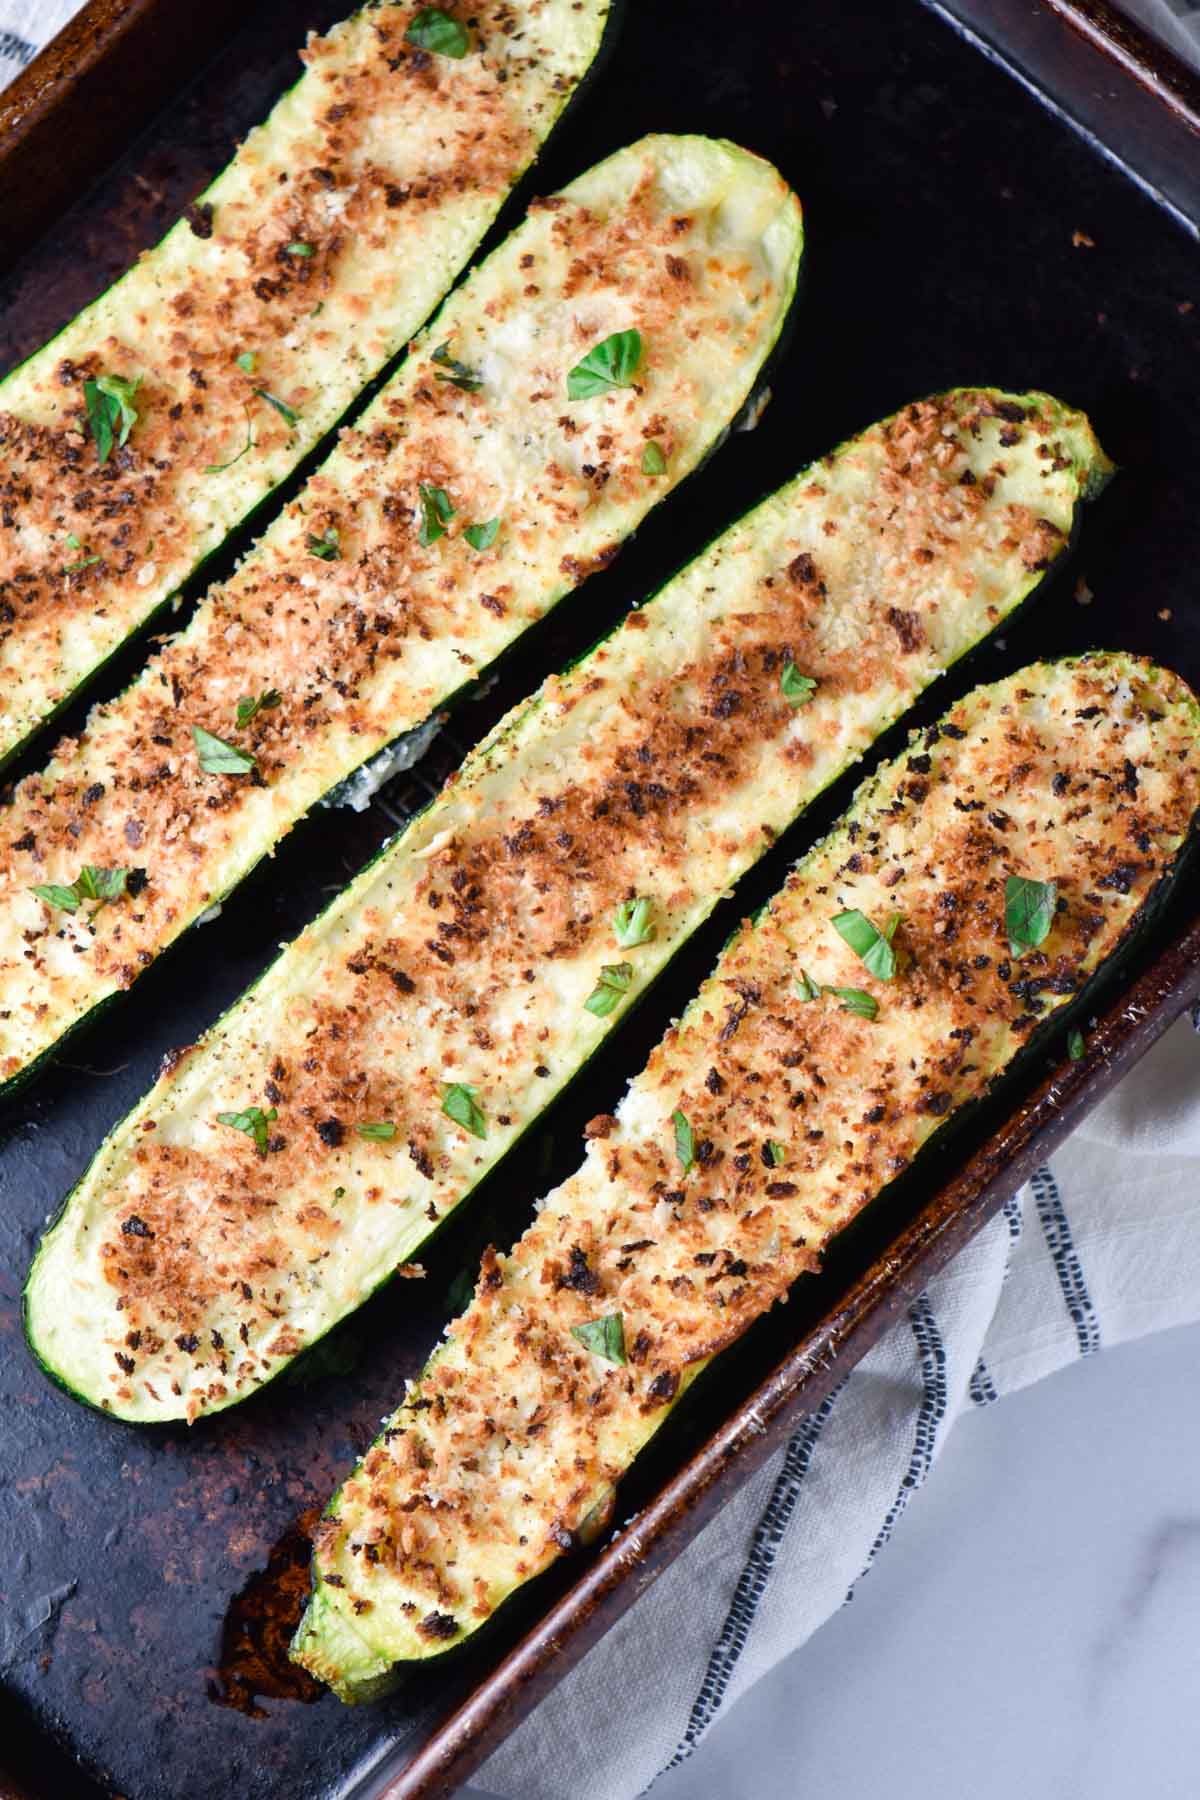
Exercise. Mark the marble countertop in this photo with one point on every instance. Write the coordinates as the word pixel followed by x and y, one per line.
pixel 1031 1629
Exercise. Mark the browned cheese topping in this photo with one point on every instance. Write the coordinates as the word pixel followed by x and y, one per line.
pixel 367 603
pixel 196 1259
pixel 798 1112
pixel 317 252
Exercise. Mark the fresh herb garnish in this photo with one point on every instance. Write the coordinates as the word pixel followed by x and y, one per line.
pixel 300 248
pixel 254 1122
pixel 603 1337
pixel 633 923
pixel 281 406
pixel 219 758
pixel 84 562
pixel 435 30
pixel 110 410
pixel 246 361
pixel 872 946
pixel 1076 1047
pixel 382 1133
pixel 327 546
pixel 809 989
pixel 606 995
pixel 796 688
pixel 607 365
pixel 653 460
pixel 1029 908
pixel 482 537
pixel 459 1104
pixel 685 1141
pixel 250 705
pixel 219 468
pixel 437 511
pixel 776 1153
pixel 855 1001
pixel 455 372
pixel 100 885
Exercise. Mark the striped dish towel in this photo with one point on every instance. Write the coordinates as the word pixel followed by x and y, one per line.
pixel 1102 1246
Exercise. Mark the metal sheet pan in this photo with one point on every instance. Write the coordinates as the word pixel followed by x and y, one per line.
pixel 960 230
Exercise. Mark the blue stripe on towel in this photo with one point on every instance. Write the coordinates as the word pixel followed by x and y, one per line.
pixel 1056 1230
pixel 768 1535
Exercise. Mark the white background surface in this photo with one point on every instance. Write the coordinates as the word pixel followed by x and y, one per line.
pixel 1033 1632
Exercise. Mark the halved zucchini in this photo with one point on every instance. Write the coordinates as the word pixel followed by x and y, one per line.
pixel 576 378
pixel 877 996
pixel 283 1168
pixel 304 267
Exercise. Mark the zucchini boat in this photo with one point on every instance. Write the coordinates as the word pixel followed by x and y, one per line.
pixel 313 1141
pixel 974 886
pixel 578 376
pixel 135 441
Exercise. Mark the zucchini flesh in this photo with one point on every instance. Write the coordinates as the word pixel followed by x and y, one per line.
pixel 800 1111
pixel 333 233
pixel 366 604
pixel 186 1269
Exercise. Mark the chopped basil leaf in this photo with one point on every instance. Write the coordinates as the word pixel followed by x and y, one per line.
pixel 219 468
pixel 459 1104
pixel 252 704
pixel 605 996
pixel 455 372
pixel 482 537
pixel 1028 912
pixel 219 758
pixel 685 1142
pixel 796 688
pixel 653 460
pixel 633 923
pixel 73 542
pixel 1076 1047
pixel 872 946
pixel 82 562
pixel 299 248
pixel 281 406
pixel 603 1337
pixel 809 990
pixel 436 513
pixel 776 1153
pixel 432 29
pixel 607 365
pixel 246 360
pixel 101 885
pixel 110 410
pixel 381 1133
pixel 855 1001
pixel 254 1122
pixel 327 546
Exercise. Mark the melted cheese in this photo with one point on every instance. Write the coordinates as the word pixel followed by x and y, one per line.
pixel 187 1269
pixel 332 234
pixel 514 1437
pixel 693 243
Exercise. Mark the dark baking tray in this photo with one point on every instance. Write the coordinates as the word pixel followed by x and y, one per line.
pixel 960 230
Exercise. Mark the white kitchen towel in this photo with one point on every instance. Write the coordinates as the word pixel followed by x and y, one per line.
pixel 1103 1245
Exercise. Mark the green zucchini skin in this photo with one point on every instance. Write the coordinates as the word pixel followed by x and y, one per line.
pixel 559 816
pixel 364 644
pixel 515 1436
pixel 366 125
